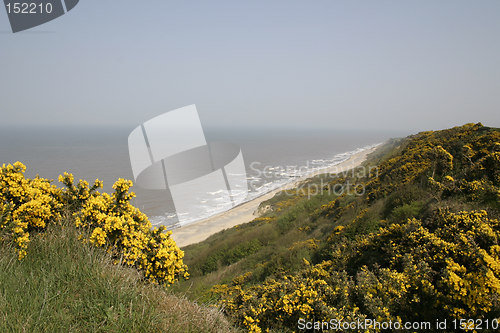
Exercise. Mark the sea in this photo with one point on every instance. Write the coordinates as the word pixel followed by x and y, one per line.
pixel 272 158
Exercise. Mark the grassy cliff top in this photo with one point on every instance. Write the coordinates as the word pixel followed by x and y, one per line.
pixel 63 285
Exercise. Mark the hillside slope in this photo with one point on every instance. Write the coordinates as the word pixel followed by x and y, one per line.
pixel 412 235
pixel 73 259
pixel 63 285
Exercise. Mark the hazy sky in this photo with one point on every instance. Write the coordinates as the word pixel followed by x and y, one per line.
pixel 410 65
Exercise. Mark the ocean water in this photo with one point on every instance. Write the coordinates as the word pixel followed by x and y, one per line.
pixel 272 158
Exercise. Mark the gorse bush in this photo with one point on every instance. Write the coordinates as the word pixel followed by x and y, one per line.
pixel 107 221
pixel 452 270
pixel 422 243
pixel 63 285
pixel 26 205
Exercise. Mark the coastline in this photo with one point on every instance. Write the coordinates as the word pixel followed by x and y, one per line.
pixel 246 212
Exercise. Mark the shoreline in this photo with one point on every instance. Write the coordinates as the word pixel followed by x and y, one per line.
pixel 247 211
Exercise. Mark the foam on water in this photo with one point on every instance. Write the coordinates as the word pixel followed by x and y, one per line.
pixel 258 187
pixel 102 153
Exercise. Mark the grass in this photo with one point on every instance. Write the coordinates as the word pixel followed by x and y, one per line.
pixel 286 231
pixel 65 286
pixel 261 246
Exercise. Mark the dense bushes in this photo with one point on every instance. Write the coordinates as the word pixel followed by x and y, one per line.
pixel 422 243
pixel 28 205
pixel 448 267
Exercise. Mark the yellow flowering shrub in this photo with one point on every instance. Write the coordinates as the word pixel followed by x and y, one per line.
pixel 437 155
pixel 74 196
pixel 27 205
pixel 108 221
pixel 417 259
pixel 310 243
pixel 448 267
pixel 279 303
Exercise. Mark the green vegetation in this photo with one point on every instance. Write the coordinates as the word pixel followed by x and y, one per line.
pixel 29 206
pixel 76 260
pixel 419 242
pixel 412 235
pixel 63 285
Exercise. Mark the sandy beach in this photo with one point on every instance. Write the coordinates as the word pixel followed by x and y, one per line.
pixel 246 212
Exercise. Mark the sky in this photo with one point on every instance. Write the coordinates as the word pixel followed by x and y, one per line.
pixel 379 65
